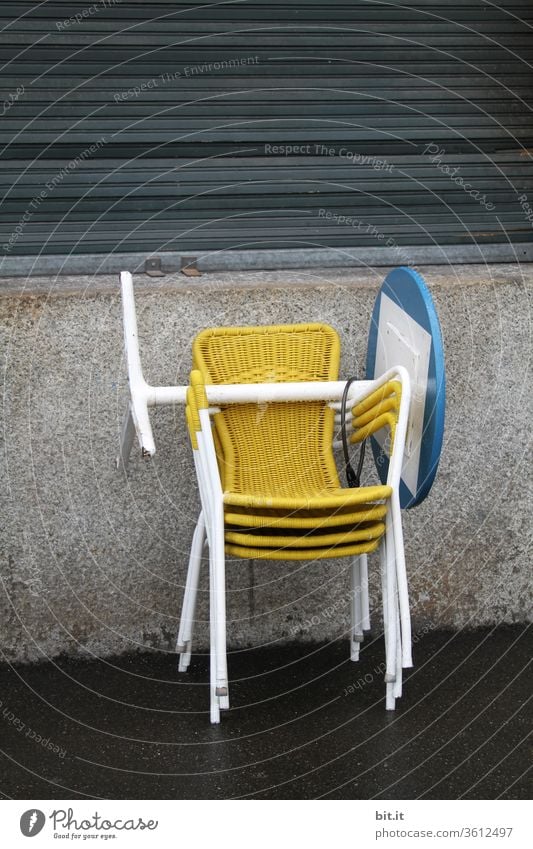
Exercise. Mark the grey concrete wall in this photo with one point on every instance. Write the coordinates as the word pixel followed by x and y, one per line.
pixel 94 561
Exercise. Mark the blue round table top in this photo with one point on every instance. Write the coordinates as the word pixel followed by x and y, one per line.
pixel 405 330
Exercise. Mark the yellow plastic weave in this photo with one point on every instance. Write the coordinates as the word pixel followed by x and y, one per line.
pixel 191 428
pixel 302 519
pixel 271 354
pixel 330 498
pixel 198 386
pixel 301 554
pixel 193 419
pixel 276 460
pixel 379 409
pixel 310 540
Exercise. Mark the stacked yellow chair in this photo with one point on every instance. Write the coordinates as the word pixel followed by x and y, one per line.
pixel 278 495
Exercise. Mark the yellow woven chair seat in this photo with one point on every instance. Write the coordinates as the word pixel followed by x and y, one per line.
pixel 280 543
pixel 310 540
pixel 301 554
pixel 331 500
pixel 304 519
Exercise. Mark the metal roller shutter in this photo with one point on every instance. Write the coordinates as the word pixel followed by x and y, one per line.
pixel 167 126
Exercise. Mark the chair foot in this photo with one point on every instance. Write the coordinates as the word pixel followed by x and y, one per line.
pixel 185 658
pixel 390 701
pixel 222 693
pixel 355 646
pixel 215 707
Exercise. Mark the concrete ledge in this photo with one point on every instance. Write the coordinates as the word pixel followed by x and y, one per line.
pixel 261 260
pixel 94 562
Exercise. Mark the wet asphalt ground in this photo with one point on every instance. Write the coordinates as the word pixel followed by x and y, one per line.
pixel 305 723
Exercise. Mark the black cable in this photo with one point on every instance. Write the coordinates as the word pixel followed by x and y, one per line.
pixel 353 479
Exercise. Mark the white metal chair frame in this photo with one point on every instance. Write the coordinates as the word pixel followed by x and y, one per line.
pixel 210 525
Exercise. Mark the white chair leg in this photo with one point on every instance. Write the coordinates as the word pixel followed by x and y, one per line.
pixel 219 561
pixel 391 594
pixel 389 686
pixel 399 671
pixel 127 436
pixel 356 629
pixel 192 570
pixel 184 642
pixel 365 601
pixel 403 590
pixel 383 573
pixel 390 699
pixel 214 701
pixel 389 680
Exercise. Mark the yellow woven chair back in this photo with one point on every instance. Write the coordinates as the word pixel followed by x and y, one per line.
pixel 275 449
pixel 272 354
